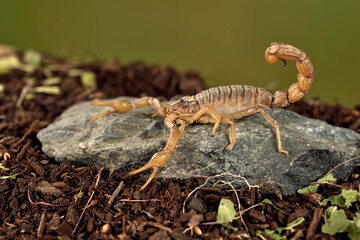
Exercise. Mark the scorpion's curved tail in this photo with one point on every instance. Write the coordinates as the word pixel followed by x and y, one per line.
pixel 305 77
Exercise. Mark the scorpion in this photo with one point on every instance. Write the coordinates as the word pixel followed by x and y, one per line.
pixel 222 104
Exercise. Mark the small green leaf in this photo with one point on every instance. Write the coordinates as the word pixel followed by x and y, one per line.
pixel 311 188
pixel 328 178
pixel 9 62
pixel 294 223
pixel 266 200
pixel 276 234
pixel 315 187
pixel 32 58
pixel 290 226
pixel 350 196
pixel 336 221
pixel 75 72
pixel 354 229
pixel 273 234
pixel 11 177
pixel 79 195
pixel 230 227
pixel 88 79
pixel 226 211
pixel 345 199
pixel 3 168
pixel 52 81
pixel 53 90
pixel 12 62
pixel 29 96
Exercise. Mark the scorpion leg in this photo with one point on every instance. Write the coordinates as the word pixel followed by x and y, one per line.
pixel 160 158
pixel 198 114
pixel 232 131
pixel 182 125
pixel 217 118
pixel 212 113
pixel 125 105
pixel 273 123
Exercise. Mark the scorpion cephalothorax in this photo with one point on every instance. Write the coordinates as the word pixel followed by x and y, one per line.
pixel 222 105
pixel 184 105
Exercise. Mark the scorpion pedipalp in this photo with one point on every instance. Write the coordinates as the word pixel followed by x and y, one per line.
pixel 117 106
pixel 123 105
pixel 161 157
pixel 157 160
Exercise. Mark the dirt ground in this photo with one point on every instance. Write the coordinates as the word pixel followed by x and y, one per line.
pixel 47 200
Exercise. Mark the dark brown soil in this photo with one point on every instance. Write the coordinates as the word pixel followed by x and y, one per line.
pixel 40 202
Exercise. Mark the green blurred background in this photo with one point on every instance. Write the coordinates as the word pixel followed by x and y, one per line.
pixel 223 40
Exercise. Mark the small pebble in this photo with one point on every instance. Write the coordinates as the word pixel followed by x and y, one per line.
pixel 198 205
pixel 44 162
pixel 197 230
pixel 105 228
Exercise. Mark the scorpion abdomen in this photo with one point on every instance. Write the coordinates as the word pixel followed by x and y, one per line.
pixel 234 99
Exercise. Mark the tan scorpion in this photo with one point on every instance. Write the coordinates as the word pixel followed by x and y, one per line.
pixel 222 105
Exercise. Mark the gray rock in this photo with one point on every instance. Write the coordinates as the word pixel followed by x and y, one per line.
pixel 126 141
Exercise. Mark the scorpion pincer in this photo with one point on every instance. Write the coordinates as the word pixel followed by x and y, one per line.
pixel 222 105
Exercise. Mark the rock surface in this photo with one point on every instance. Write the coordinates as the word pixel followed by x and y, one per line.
pixel 126 141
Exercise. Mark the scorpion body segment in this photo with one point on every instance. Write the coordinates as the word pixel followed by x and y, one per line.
pixel 223 104
pixel 232 100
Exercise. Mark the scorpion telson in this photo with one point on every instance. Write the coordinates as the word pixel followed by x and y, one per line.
pixel 222 105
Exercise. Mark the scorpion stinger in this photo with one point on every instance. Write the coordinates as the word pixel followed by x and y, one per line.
pixel 223 105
